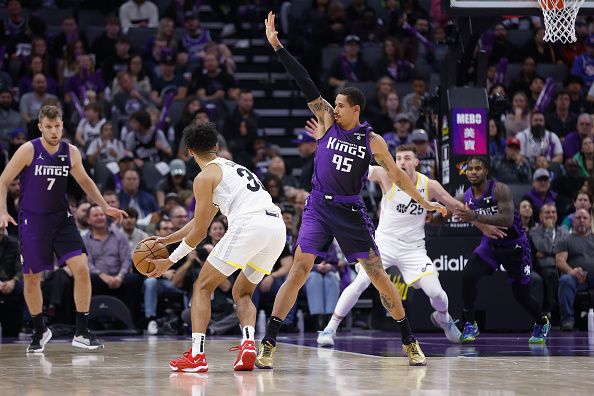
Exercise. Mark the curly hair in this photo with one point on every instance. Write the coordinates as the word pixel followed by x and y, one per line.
pixel 201 137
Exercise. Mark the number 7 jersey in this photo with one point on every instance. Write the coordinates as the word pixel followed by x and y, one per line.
pixel 240 192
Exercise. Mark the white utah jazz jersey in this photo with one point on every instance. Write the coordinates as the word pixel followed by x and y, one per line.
pixel 240 192
pixel 401 216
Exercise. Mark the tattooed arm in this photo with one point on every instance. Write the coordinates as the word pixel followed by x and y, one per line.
pixel 324 113
pixel 382 156
pixel 505 206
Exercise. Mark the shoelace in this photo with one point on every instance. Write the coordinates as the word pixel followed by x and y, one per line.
pixel 267 349
pixel 415 349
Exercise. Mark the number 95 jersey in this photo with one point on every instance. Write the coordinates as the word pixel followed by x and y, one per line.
pixel 401 216
pixel 240 192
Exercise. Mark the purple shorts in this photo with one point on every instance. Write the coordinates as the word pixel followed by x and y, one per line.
pixel 514 256
pixel 43 235
pixel 323 220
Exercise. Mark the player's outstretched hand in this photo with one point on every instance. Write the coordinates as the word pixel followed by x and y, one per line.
pixel 271 33
pixel 465 214
pixel 436 206
pixel 311 127
pixel 5 218
pixel 117 214
pixel 491 231
pixel 161 266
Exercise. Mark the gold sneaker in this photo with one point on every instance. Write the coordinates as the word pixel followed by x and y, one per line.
pixel 416 357
pixel 265 355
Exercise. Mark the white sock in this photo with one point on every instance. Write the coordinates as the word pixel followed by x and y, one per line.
pixel 248 333
pixel 198 343
pixel 333 324
pixel 443 317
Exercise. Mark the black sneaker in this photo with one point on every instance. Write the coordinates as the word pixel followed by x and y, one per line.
pixel 87 340
pixel 38 341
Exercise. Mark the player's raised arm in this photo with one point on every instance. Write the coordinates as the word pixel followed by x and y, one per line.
pixel 89 187
pixel 382 156
pixel 21 158
pixel 323 110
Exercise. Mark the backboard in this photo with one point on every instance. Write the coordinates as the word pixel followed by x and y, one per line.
pixel 503 7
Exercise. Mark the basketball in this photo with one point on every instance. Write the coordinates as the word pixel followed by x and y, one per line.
pixel 151 249
pixel 552 4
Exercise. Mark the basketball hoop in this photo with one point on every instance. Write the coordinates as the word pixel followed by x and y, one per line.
pixel 559 19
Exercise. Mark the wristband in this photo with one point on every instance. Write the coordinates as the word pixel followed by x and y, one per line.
pixel 180 252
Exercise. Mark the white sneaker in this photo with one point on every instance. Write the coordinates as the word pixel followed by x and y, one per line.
pixel 450 329
pixel 326 338
pixel 152 328
pixel 228 30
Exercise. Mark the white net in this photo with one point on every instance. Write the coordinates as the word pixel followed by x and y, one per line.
pixel 559 18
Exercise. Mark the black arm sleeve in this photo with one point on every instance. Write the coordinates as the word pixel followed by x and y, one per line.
pixel 299 73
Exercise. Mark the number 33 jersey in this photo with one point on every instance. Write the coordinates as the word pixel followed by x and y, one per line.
pixel 240 192
pixel 401 216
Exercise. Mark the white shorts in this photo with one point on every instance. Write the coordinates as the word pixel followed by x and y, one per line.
pixel 253 244
pixel 410 258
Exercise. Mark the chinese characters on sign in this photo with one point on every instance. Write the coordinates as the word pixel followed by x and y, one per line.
pixel 469 131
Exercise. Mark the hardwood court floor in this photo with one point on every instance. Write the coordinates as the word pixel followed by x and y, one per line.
pixel 139 366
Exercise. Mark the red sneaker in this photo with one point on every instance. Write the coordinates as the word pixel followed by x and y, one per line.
pixel 190 364
pixel 247 356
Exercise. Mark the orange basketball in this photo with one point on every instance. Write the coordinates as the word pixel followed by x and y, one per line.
pixel 552 4
pixel 150 249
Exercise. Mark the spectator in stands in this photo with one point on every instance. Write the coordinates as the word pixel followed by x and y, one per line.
pixel 179 217
pixel 37 65
pixel 574 86
pixel 176 181
pixel 585 158
pixel 223 54
pixel 213 83
pixel 497 142
pixel 67 65
pixel 9 119
pixel 412 102
pixel 583 66
pixel 573 141
pixel 402 132
pixel 104 46
pixel 31 102
pixel 89 127
pixel 14 23
pixel 274 185
pixel 168 82
pixel 307 152
pixel 40 48
pixel 574 257
pixel 527 73
pixel 110 261
pixel 138 13
pixel 105 148
pixel 133 233
pixel 384 121
pixel 86 82
pixel 193 41
pixel 369 27
pixel 537 141
pixel 154 287
pixel 334 27
pixel 536 87
pixel 543 237
pixel 561 120
pixel 145 142
pixel 323 287
pixel 518 118
pixel 81 217
pixel 554 168
pixel 130 99
pixel 70 34
pixel 11 285
pixel 541 51
pixel 349 66
pixel 512 168
pixel 132 196
pixel 118 62
pixel 424 152
pixel 378 104
pixel 541 192
pixel 502 47
pixel 570 183
pixel 241 125
pixel 395 62
pixel 165 32
pixel 526 214
pixel 139 77
pixel 582 201
pixel 276 166
pixel 111 197
pixel 423 54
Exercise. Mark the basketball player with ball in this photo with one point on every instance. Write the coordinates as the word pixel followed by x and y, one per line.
pixel 46 226
pixel 253 243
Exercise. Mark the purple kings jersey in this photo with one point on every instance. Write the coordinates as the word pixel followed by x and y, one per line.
pixel 342 160
pixel 487 205
pixel 43 183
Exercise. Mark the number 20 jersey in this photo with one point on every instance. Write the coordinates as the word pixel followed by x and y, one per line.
pixel 240 192
pixel 342 160
pixel 401 216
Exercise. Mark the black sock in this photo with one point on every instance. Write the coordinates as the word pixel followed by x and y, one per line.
pixel 405 331
pixel 272 328
pixel 82 322
pixel 468 315
pixel 38 325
